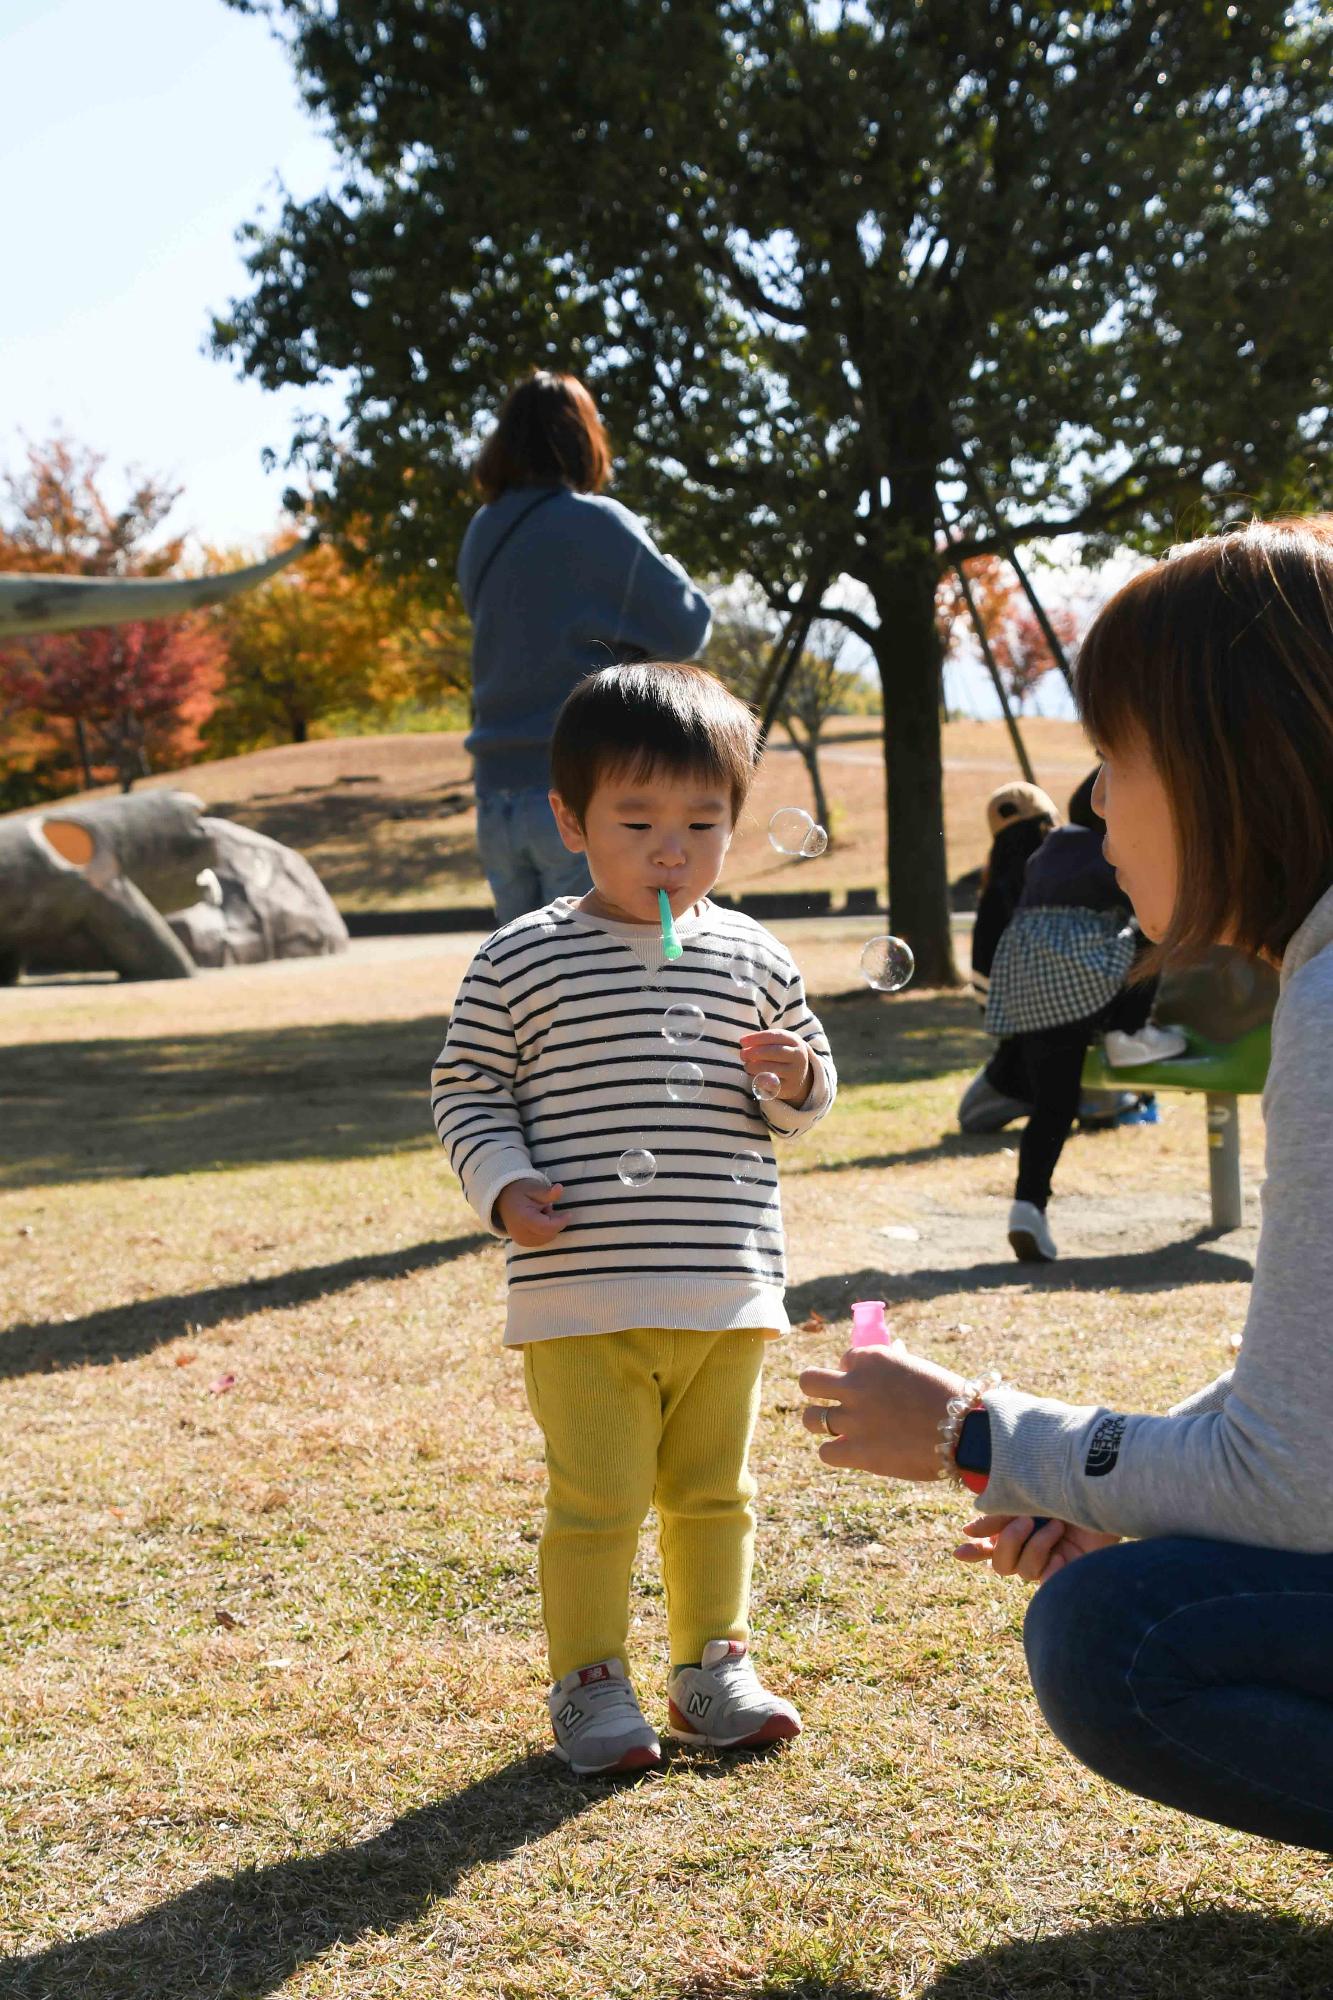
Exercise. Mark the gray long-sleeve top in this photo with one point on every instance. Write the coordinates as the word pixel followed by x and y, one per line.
pixel 578 585
pixel 1250 1457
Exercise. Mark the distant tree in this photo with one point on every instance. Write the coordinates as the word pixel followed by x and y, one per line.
pixel 817 258
pixel 326 638
pixel 136 695
pixel 1022 651
pixel 817 688
pixel 1017 643
pixel 131 695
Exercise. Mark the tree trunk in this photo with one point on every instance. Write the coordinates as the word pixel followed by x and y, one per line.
pixel 907 653
pixel 81 738
pixel 298 729
pixel 809 752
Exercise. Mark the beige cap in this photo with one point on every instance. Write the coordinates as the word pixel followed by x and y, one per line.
pixel 1019 801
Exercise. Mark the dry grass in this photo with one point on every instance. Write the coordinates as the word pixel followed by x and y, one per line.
pixel 270 1669
pixel 390 821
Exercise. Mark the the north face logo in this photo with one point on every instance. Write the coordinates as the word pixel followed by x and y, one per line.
pixel 699 1704
pixel 1104 1449
pixel 569 1715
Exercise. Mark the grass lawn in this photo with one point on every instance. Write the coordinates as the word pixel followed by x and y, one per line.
pixel 271 1672
pixel 389 822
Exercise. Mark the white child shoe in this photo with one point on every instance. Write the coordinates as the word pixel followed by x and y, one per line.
pixel 725 1705
pixel 1151 1044
pixel 1029 1235
pixel 599 1726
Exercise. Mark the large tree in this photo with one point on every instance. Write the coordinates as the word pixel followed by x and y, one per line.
pixel 811 254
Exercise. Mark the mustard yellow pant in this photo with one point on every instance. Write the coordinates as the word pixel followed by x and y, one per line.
pixel 632 1419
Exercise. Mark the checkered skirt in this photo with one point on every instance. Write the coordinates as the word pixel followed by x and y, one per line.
pixel 1056 965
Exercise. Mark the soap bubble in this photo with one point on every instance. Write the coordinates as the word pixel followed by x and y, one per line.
pixel 887 964
pixel 792 831
pixel 747 1168
pixel 684 1082
pixel 683 1024
pixel 765 1085
pixel 636 1166
pixel 743 969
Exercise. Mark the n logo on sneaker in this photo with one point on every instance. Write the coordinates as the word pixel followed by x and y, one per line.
pixel 569 1715
pixel 698 1704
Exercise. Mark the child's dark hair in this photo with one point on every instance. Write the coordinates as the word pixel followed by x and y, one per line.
pixel 1219 662
pixel 646 719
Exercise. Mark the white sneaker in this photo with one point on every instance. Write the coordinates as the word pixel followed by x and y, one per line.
pixel 1150 1045
pixel 724 1704
pixel 598 1724
pixel 1029 1236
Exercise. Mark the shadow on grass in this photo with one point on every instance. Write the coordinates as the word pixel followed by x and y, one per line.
pixel 1162 1269
pixel 902 1037
pixel 76 1111
pixel 1197 1955
pixel 248 1934
pixel 118 1333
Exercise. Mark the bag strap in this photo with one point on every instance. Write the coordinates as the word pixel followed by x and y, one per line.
pixel 517 522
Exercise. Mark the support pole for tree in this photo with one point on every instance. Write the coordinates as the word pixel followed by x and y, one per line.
pixel 997 679
pixel 787 651
pixel 1010 550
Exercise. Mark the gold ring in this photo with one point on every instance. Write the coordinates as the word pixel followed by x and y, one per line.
pixel 828 1427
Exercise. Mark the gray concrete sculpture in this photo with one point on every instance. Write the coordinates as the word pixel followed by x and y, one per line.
pixel 262 900
pixel 36 603
pixel 86 885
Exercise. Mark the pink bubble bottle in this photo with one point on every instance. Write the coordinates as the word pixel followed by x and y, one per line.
pixel 869 1328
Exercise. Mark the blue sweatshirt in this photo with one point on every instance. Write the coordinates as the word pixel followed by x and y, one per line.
pixel 579 585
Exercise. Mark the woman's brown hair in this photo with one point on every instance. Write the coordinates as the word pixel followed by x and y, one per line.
pixel 1219 663
pixel 548 432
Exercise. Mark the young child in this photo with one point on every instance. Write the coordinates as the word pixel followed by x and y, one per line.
pixel 645 1255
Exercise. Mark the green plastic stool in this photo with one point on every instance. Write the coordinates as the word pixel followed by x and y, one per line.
pixel 1224 1071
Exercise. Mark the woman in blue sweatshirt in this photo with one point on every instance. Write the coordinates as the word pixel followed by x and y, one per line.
pixel 558 581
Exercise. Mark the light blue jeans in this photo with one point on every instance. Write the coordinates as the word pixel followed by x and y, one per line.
pixel 522 855
pixel 1199 1674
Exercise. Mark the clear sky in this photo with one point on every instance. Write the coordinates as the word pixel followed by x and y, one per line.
pixel 134 139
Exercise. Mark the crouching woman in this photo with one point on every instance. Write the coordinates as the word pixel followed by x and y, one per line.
pixel 1182 1645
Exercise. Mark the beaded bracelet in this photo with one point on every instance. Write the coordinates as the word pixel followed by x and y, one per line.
pixel 951 1424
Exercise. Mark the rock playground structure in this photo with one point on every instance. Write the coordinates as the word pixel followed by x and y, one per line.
pixel 148 887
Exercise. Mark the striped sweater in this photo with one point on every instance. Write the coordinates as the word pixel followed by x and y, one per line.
pixel 556 1066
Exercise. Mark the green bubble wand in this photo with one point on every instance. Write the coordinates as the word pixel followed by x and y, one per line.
pixel 672 948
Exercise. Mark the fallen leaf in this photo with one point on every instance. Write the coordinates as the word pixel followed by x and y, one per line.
pixel 345 1654
pixel 221 1386
pixel 815 1324
pixel 185 1357
pixel 25 1229
pixel 273 1499
pixel 228 1620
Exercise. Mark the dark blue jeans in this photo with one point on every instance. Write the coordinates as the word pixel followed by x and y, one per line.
pixel 1199 1674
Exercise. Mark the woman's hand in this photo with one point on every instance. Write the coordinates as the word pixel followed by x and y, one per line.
pixel 785 1056
pixel 526 1213
pixel 887 1407
pixel 1007 1542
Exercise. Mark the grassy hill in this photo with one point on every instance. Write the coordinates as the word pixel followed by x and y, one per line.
pixel 389 821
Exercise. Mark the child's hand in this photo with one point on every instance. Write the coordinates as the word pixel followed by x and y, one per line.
pixel 787 1056
pixel 525 1212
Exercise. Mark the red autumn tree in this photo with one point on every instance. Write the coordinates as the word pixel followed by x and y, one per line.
pixel 132 695
pixel 136 694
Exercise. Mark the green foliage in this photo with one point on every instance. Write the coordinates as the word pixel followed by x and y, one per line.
pixel 799 251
